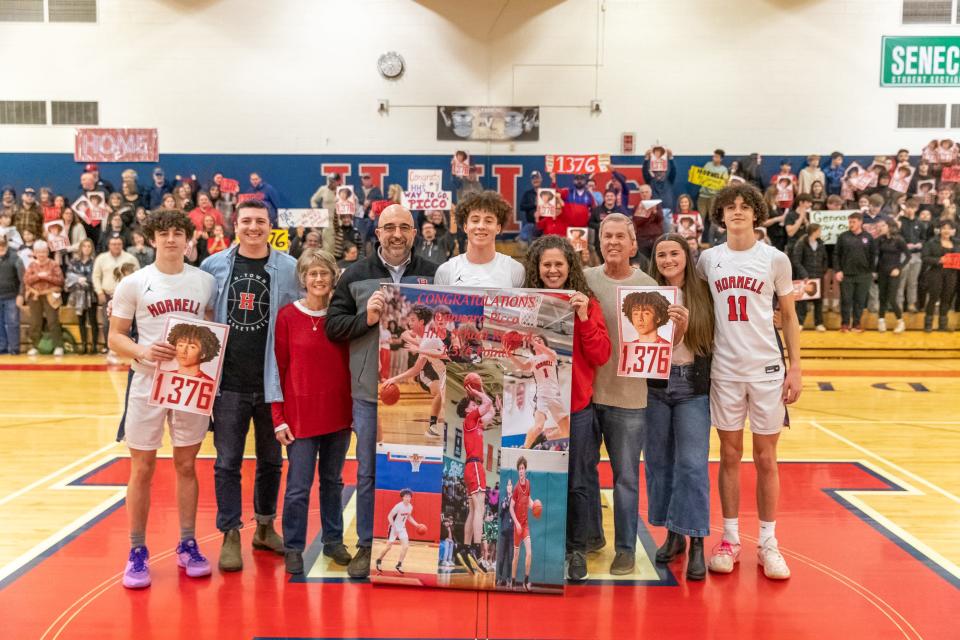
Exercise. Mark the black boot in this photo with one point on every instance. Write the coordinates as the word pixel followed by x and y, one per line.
pixel 82 348
pixel 942 325
pixel 674 545
pixel 696 568
pixel 927 323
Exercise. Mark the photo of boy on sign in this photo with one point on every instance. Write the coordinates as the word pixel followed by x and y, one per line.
pixel 189 381
pixel 460 165
pixel 900 180
pixel 346 202
pixel 646 331
pixel 547 203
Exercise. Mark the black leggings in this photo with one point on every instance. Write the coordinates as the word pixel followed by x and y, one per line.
pixel 940 288
pixel 887 293
pixel 88 319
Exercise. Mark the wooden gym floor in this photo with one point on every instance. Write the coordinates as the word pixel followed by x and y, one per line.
pixel 869 522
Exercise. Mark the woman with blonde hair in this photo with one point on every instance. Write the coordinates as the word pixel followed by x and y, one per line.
pixel 313 420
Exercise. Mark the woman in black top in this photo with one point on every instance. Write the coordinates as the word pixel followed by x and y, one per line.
pixel 892 256
pixel 940 281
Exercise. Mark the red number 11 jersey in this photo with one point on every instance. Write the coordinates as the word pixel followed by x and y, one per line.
pixel 743 284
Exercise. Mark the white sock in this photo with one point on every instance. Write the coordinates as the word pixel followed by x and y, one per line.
pixel 767 532
pixel 731 530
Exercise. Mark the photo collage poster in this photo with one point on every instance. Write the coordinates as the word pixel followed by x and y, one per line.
pixel 472 439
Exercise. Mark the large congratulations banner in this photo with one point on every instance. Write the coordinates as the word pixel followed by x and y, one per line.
pixel 472 438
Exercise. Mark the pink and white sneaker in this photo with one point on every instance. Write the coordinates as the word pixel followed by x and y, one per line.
pixel 774 566
pixel 190 558
pixel 723 557
pixel 137 573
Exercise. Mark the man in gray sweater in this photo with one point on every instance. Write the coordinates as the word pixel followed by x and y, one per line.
pixel 619 402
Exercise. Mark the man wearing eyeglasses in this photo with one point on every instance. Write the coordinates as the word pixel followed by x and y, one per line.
pixel 354 315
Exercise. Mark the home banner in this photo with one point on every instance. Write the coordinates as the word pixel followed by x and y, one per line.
pixel 473 431
pixel 116 145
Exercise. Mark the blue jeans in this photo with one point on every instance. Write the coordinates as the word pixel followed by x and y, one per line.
pixel 528 232
pixel 622 430
pixel 232 413
pixel 365 426
pixel 582 478
pixel 9 326
pixel 327 453
pixel 675 454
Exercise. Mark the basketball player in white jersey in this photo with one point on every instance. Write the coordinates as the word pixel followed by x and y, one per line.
pixel 543 364
pixel 425 336
pixel 166 288
pixel 398 516
pixel 749 375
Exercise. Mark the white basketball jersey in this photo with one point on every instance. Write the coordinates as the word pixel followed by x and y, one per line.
pixel 743 284
pixel 431 342
pixel 545 373
pixel 400 512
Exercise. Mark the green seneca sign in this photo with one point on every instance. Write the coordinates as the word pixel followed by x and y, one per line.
pixel 920 61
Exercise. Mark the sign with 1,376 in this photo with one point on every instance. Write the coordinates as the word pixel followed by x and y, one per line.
pixel 920 61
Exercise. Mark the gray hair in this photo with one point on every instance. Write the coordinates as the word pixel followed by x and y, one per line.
pixel 619 217
pixel 40 245
pixel 311 258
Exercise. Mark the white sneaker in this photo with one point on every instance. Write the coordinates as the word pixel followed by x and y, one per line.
pixel 58 352
pixel 774 566
pixel 820 327
pixel 801 327
pixel 723 557
pixel 881 325
pixel 901 326
pixel 33 352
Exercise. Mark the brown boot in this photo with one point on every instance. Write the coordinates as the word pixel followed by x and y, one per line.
pixel 266 539
pixel 230 557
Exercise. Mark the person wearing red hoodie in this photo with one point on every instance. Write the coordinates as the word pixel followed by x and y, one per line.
pixel 205 208
pixel 570 214
pixel 551 263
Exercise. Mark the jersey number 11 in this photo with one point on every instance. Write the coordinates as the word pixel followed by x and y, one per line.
pixel 735 304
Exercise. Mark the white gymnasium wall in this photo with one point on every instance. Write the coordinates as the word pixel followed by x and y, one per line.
pixel 299 76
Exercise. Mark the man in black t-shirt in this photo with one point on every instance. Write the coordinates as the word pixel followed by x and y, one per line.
pixel 253 283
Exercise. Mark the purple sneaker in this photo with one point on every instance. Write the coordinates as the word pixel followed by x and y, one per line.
pixel 137 573
pixel 190 558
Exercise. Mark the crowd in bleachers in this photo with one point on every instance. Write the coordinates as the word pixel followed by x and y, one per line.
pixel 72 249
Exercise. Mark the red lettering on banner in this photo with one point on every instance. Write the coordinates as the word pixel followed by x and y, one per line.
pixel 246 301
pixel 506 176
pixel 116 145
pixel 377 173
pixel 335 167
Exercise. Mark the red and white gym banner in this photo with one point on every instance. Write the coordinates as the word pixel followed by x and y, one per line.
pixel 646 331
pixel 116 145
pixel 189 382
pixel 474 431
pixel 592 163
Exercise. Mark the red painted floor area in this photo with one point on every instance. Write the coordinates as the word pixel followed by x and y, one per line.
pixel 851 579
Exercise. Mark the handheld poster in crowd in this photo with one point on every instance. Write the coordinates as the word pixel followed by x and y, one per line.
pixel 927 189
pixel 472 451
pixel 50 213
pixel 427 200
pixel 579 237
pixel 784 186
pixel 947 151
pixel 951 261
pixel 228 185
pixel 646 331
pixel 57 237
pixel 900 178
pixel 707 179
pixel 308 218
pixel 929 152
pixel 806 289
pixel 547 203
pixel 279 239
pixel 246 197
pixel 346 202
pixel 949 174
pixel 658 159
pixel 460 164
pixel 832 223
pixel 688 224
pixel 424 180
pixel 576 164
pixel 189 381
pixel 736 180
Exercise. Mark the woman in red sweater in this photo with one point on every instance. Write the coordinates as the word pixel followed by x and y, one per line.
pixel 552 264
pixel 313 420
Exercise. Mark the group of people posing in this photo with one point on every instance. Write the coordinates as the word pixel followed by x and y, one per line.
pixel 302 366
